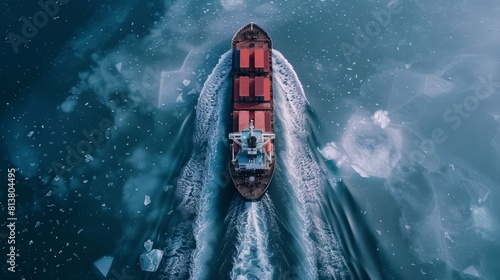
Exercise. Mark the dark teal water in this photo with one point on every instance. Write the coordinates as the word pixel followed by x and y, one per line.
pixel 388 141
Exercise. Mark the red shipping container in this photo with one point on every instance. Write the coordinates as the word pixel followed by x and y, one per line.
pixel 244 86
pixel 244 58
pixel 267 89
pixel 259 58
pixel 243 120
pixel 260 120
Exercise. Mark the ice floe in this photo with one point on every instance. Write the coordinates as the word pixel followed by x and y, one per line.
pixel 104 264
pixel 381 118
pixel 148 245
pixel 119 66
pixel 150 261
pixel 147 200
pixel 471 270
pixel 370 150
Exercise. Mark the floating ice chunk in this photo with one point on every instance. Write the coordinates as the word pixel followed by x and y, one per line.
pixel 381 118
pixel 49 193
pixel 373 151
pixel 167 187
pixel 148 245
pixel 471 270
pixel 179 99
pixel 104 264
pixel 333 152
pixel 119 66
pixel 186 82
pixel 31 133
pixel 151 261
pixel 147 200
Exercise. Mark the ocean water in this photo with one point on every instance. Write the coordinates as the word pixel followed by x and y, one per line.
pixel 115 115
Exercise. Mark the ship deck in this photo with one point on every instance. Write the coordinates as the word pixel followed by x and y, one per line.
pixel 252 190
pixel 252 86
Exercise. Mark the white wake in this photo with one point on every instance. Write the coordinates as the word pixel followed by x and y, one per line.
pixel 252 260
pixel 198 187
pixel 322 252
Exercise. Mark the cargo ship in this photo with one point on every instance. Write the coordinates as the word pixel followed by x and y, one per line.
pixel 252 159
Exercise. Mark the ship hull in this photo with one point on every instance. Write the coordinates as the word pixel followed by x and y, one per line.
pixel 252 113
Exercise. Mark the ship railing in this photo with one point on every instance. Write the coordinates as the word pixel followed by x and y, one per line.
pixel 269 156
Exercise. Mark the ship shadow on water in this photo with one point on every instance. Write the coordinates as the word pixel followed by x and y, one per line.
pixel 365 259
